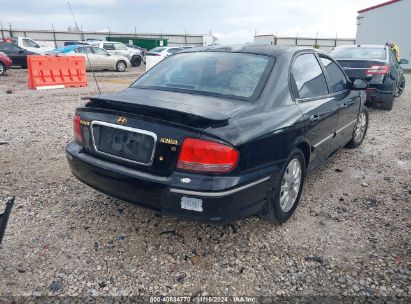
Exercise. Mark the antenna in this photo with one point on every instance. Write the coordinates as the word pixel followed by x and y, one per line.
pixel 85 48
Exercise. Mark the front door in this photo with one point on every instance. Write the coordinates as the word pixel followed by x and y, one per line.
pixel 348 102
pixel 319 109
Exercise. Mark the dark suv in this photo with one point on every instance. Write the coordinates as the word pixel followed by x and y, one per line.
pixel 378 66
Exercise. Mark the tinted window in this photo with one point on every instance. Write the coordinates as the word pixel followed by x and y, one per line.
pixel 309 77
pixel 108 46
pixel 213 73
pixel 358 53
pixel 30 43
pixel 338 82
pixel 6 47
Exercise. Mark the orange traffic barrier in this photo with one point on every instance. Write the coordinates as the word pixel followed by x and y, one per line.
pixel 49 72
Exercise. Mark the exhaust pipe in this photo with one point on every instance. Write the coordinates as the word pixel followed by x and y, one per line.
pixel 373 98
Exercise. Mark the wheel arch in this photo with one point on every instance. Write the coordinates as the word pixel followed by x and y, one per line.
pixel 304 146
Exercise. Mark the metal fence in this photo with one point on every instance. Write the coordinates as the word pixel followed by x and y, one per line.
pixel 57 38
pixel 323 43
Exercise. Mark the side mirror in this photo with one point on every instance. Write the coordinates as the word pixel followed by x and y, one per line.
pixel 403 61
pixel 359 84
pixel 21 51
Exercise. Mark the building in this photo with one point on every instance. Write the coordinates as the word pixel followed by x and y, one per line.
pixel 325 44
pixel 56 38
pixel 388 21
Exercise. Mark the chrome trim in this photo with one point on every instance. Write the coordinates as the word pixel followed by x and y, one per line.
pixel 221 193
pixel 346 126
pixel 323 140
pixel 102 123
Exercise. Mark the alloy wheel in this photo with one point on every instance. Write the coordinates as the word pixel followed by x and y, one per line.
pixel 290 185
pixel 2 69
pixel 360 127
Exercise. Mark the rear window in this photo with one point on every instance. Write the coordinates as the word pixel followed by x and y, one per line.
pixel 231 75
pixel 358 53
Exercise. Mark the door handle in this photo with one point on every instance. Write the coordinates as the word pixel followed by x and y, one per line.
pixel 314 117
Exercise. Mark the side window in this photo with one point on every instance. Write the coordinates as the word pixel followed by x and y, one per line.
pixel 308 76
pixel 80 50
pixel 108 46
pixel 120 47
pixel 338 81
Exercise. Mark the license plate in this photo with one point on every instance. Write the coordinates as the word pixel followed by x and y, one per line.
pixel 190 203
pixel 125 144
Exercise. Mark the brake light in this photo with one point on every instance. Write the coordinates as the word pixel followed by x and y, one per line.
pixel 206 156
pixel 377 70
pixel 77 129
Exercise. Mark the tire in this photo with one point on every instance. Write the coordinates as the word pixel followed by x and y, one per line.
pixel 401 87
pixel 282 203
pixel 136 61
pixel 2 69
pixel 121 66
pixel 388 104
pixel 360 130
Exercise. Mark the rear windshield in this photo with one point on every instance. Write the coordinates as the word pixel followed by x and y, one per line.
pixel 232 75
pixel 358 53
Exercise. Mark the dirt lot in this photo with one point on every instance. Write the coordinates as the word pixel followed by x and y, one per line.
pixel 349 236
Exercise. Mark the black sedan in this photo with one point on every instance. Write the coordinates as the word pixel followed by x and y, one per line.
pixel 219 133
pixel 16 54
pixel 377 65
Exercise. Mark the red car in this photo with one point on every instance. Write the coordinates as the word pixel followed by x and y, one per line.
pixel 5 63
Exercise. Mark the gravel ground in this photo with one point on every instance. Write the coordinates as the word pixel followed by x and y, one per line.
pixel 349 236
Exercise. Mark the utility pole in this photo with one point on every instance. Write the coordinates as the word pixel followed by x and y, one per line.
pixel 54 36
pixel 11 30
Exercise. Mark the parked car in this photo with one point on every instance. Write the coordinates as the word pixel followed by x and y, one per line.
pixel 16 54
pixel 143 50
pixel 218 133
pixel 164 52
pixel 378 66
pixel 117 48
pixel 97 58
pixel 5 63
pixel 30 45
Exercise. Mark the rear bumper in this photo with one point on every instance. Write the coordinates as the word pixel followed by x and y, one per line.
pixel 224 198
pixel 375 95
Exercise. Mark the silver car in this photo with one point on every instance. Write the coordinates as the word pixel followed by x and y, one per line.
pixel 98 59
pixel 117 48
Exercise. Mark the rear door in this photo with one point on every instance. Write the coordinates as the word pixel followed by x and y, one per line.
pixel 348 102
pixel 319 108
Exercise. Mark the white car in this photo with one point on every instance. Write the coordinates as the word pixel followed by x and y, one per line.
pixel 30 45
pixel 162 51
pixel 117 48
pixel 98 59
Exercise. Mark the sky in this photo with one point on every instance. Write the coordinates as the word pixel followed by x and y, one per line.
pixel 231 21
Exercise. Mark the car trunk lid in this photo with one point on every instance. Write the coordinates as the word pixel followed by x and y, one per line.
pixel 358 68
pixel 145 128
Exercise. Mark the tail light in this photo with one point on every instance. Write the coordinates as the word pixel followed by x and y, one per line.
pixel 377 70
pixel 206 156
pixel 77 129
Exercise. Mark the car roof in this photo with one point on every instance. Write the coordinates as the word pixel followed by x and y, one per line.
pixel 258 49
